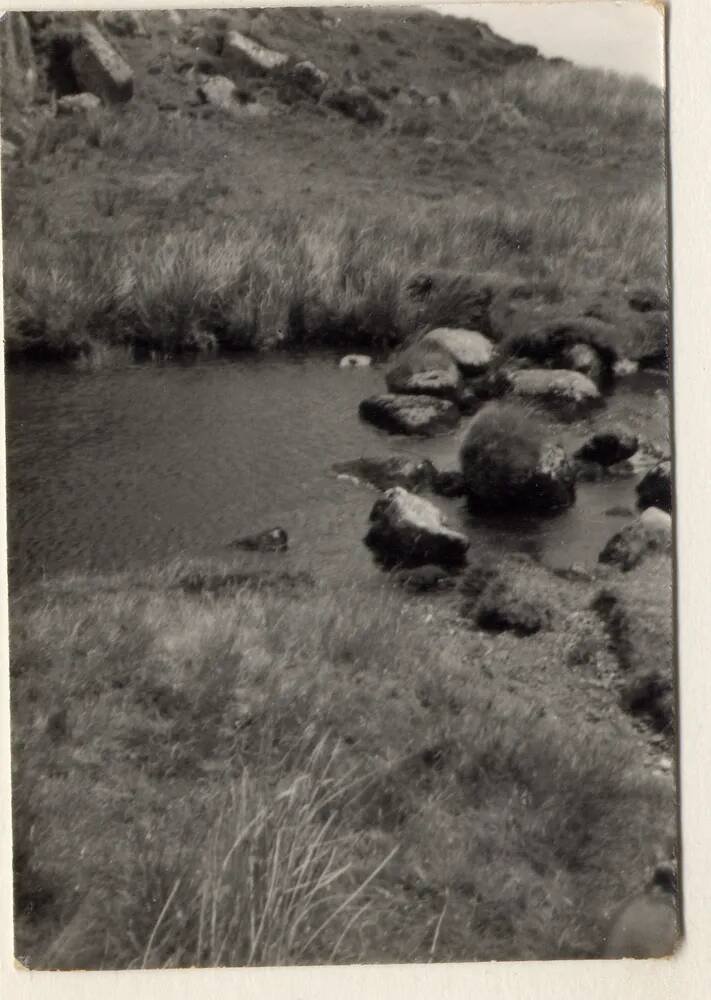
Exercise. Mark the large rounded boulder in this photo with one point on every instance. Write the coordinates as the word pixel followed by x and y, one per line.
pixel 509 463
pixel 424 368
pixel 407 530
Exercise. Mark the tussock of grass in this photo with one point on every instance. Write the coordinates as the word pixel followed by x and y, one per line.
pixel 332 281
pixel 388 800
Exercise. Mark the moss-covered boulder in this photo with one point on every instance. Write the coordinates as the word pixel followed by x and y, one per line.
pixel 509 462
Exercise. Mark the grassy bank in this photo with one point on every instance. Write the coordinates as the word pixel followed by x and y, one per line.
pixel 305 774
pixel 168 226
pixel 330 280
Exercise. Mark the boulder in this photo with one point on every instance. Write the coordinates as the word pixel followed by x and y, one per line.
pixel 424 369
pixel 219 92
pixel 609 446
pixel 355 361
pixel 408 530
pixel 471 351
pixel 425 415
pixel 77 104
pixel 384 473
pixel 271 540
pixel 567 392
pixel 18 67
pixel 308 78
pixel 99 68
pixel 240 51
pixel 655 488
pixel 509 463
pixel 651 532
pixel 124 23
pixel 355 102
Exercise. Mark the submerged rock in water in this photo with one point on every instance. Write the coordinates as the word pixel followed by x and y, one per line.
pixel 471 351
pixel 415 414
pixel 272 540
pixel 508 463
pixel 408 530
pixel 568 392
pixel 385 473
pixel 655 489
pixel 355 361
pixel 616 444
pixel 449 483
pixel 652 532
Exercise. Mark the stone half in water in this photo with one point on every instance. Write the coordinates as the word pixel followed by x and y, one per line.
pixel 407 530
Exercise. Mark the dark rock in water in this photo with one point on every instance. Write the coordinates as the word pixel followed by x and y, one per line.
pixel 425 369
pixel 608 447
pixel 422 579
pixel 449 483
pixel 396 470
pixel 272 540
pixel 474 392
pixel 655 489
pixel 652 532
pixel 508 464
pixel 568 392
pixel 414 414
pixel 498 604
pixel 407 530
pixel 645 299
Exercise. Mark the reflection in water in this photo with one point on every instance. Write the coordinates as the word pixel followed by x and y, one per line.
pixel 139 463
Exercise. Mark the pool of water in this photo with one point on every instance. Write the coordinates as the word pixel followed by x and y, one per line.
pixel 138 463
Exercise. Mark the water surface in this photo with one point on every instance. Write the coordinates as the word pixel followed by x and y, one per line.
pixel 138 463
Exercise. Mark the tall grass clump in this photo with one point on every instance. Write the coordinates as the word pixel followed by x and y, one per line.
pixel 255 776
pixel 333 281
